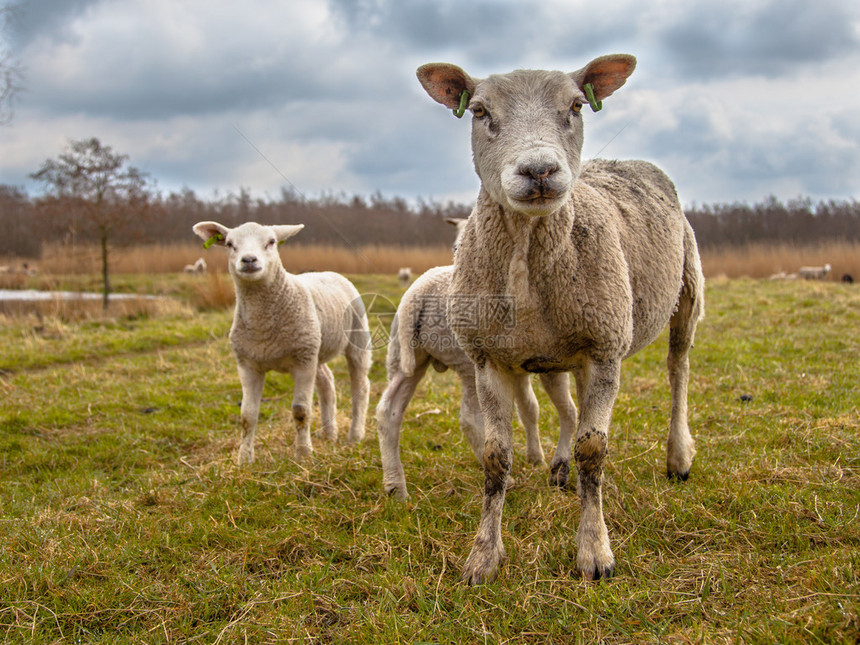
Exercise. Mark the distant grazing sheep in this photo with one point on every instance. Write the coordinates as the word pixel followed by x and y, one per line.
pixel 292 323
pixel 814 273
pixel 595 259
pixel 421 337
pixel 847 278
pixel 198 267
pixel 404 276
pixel 782 275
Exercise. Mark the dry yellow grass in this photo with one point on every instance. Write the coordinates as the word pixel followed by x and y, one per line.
pixel 753 261
pixel 63 260
pixel 764 260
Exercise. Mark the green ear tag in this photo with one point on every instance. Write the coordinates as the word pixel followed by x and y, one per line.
pixel 464 101
pixel 589 94
pixel 215 238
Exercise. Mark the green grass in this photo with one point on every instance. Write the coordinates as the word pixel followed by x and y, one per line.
pixel 123 518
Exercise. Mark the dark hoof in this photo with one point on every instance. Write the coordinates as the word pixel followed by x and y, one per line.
pixel 600 573
pixel 559 474
pixel 678 477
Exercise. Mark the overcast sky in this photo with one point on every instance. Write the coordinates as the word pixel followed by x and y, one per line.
pixel 737 100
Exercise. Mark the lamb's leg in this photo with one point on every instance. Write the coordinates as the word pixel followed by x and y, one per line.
pixel 557 387
pixel 303 393
pixel 252 381
pixel 680 447
pixel 594 555
pixel 529 411
pixel 495 394
pixel 358 360
pixel 328 400
pixel 389 418
pixel 471 417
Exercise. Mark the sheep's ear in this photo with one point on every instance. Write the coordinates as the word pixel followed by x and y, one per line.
pixel 211 233
pixel 445 82
pixel 605 74
pixel 286 231
pixel 455 221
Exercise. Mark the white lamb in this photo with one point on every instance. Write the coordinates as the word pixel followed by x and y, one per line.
pixel 814 273
pixel 292 323
pixel 421 337
pixel 597 259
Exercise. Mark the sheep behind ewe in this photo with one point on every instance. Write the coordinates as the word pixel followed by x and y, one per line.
pixel 292 323
pixel 421 337
pixel 597 258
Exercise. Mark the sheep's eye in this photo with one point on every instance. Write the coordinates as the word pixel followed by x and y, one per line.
pixel 478 111
pixel 576 107
pixel 230 245
pixel 271 243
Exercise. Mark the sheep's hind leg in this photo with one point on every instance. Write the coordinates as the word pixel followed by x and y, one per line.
pixel 252 381
pixel 327 398
pixel 557 387
pixel 680 446
pixel 358 361
pixel 529 411
pixel 495 392
pixel 303 392
pixel 389 418
pixel 594 555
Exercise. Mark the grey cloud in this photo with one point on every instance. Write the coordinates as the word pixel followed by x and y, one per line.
pixel 35 18
pixel 767 39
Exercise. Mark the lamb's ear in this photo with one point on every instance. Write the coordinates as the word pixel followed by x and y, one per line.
pixel 605 74
pixel 445 82
pixel 455 221
pixel 211 233
pixel 286 231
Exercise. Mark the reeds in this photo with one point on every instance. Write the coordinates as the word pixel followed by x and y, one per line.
pixel 752 261
pixel 765 260
pixel 172 258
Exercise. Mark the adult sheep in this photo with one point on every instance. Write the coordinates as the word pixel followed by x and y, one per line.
pixel 814 273
pixel 291 323
pixel 597 257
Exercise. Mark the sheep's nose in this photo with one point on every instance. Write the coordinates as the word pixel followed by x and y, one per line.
pixel 539 172
pixel 249 259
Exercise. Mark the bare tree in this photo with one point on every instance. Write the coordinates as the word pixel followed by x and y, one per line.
pixel 10 68
pixel 106 194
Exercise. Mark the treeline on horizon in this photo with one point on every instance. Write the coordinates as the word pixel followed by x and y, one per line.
pixel 340 220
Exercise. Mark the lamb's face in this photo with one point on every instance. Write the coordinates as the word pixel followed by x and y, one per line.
pixel 252 252
pixel 527 139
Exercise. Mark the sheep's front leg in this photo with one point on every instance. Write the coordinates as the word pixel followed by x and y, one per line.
pixel 303 393
pixel 495 395
pixel 557 387
pixel 327 398
pixel 252 381
pixel 594 555
pixel 471 418
pixel 529 411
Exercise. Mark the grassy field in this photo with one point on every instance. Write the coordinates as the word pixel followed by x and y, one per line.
pixel 123 518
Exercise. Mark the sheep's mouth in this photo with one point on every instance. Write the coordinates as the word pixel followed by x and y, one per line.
pixel 538 202
pixel 250 270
